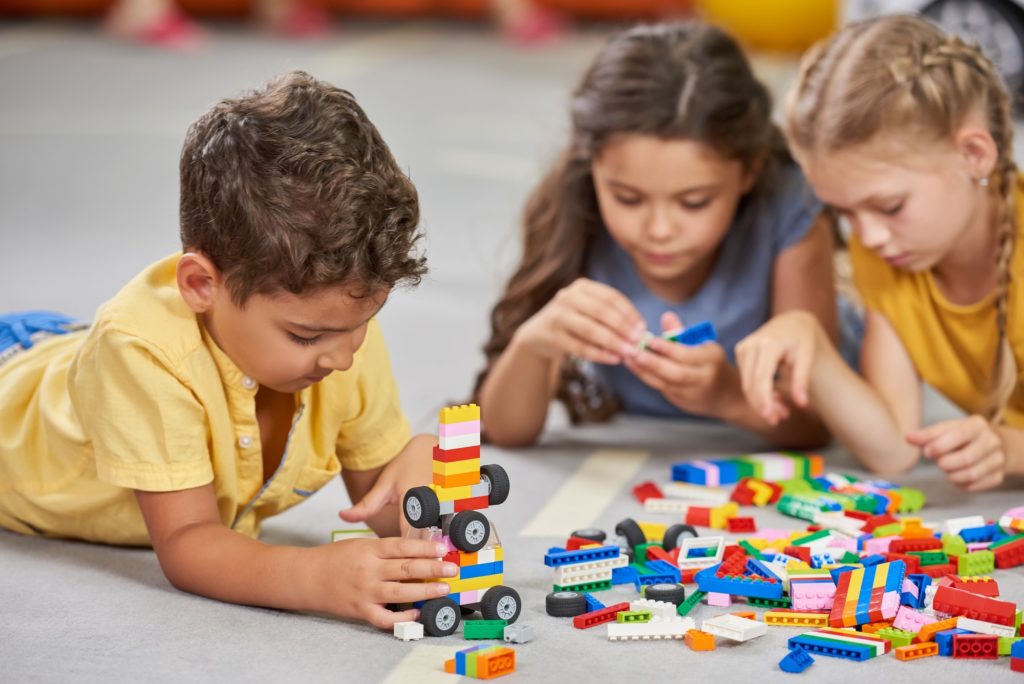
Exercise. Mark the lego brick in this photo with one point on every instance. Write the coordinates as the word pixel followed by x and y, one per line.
pixel 957 602
pixel 783 602
pixel 944 640
pixel 689 602
pixel 484 629
pixel 916 651
pixel 481 570
pixel 626 575
pixel 977 563
pixel 983 586
pixel 976 646
pixel 647 490
pixel 653 531
pixel 482 582
pixel 812 595
pixel 468 465
pixel 719 600
pixel 598 617
pixel 739 585
pixel 455 455
pixel 911 620
pixel 834 648
pixel 517 634
pixel 656 608
pixel 741 524
pixel 593 603
pixel 458 414
pixel 955 525
pixel 923 544
pixel 408 631
pixel 787 618
pixel 928 632
pixel 796 661
pixel 734 627
pixel 699 641
pixel 1010 555
pixel 450 481
pixel 982 627
pixel 624 616
pixel 595 571
pixel 657 628
pixel 897 637
pixel 584 586
pixel 700 544
pixel 559 558
pixel 465 427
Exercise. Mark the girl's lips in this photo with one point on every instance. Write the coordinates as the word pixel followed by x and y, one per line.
pixel 659 258
pixel 898 260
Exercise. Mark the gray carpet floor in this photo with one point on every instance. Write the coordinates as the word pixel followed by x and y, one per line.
pixel 89 137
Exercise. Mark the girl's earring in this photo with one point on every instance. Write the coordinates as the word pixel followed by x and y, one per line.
pixel 983 182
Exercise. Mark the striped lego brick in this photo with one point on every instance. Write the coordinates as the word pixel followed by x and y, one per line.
pixel 459 480
pixel 465 427
pixel 458 414
pixel 452 455
pixel 482 662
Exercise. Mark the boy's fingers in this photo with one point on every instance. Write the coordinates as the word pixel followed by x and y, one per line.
pixel 371 503
pixel 670 321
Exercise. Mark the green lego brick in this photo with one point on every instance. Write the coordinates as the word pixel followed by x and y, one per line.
pixel 484 629
pixel 586 586
pixel 798 507
pixel 640 550
pixel 814 536
pixel 751 550
pixel 930 557
pixel 911 500
pixel 1005 643
pixel 633 616
pixel 849 557
pixel 898 637
pixel 693 599
pixel 954 544
pixel 890 530
pixel 784 602
pixel 641 568
pixel 977 563
pixel 1016 624
pixel 1005 540
pixel 744 469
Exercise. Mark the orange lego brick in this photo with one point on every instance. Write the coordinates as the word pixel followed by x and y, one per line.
pixel 873 627
pixel 496 663
pixel 749 614
pixel 932 628
pixel 449 666
pixel 460 480
pixel 915 651
pixel 699 641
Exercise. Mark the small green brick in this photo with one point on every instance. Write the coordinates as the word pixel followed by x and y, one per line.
pixel 640 551
pixel 586 586
pixel 692 600
pixel 1005 643
pixel 784 602
pixel 954 544
pixel 850 557
pixel 633 616
pixel 800 541
pixel 898 637
pixel 977 563
pixel 890 530
pixel 1006 540
pixel 911 500
pixel 931 557
pixel 641 569
pixel 484 629
pixel 751 550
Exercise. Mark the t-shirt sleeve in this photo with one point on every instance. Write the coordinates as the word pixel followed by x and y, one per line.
pixel 147 429
pixel 376 430
pixel 797 208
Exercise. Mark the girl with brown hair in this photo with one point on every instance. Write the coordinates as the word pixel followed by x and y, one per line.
pixel 906 132
pixel 675 201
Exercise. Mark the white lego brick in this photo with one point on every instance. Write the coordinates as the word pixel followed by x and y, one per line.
pixel 484 556
pixel 833 520
pixel 674 506
pixel 459 441
pixel 662 609
pixel 601 567
pixel 692 543
pixel 982 627
pixel 955 525
pixel 408 631
pixel 734 627
pixel 929 595
pixel 697 493
pixel 657 628
pixel 565 577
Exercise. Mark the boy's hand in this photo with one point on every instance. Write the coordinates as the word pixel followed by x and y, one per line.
pixel 696 379
pixel 585 319
pixel 786 346
pixel 970 450
pixel 362 575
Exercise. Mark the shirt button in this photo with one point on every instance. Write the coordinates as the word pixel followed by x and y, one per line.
pixel 248 383
pixel 245 441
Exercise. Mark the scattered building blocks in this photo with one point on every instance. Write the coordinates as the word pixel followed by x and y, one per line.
pixel 598 617
pixel 408 631
pixel 482 662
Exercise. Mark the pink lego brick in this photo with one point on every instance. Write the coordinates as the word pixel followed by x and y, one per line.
pixel 718 599
pixel 909 588
pixel 812 596
pixel 468 427
pixel 773 534
pixel 911 620
pixel 878 545
pixel 890 605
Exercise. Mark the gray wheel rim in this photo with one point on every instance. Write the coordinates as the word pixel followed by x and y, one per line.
pixel 506 608
pixel 565 594
pixel 413 509
pixel 446 618
pixel 486 480
pixel 476 532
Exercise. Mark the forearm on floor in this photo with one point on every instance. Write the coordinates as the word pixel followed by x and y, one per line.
pixel 515 396
pixel 1013 447
pixel 802 430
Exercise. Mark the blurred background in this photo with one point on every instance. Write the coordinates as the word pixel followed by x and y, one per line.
pixel 471 95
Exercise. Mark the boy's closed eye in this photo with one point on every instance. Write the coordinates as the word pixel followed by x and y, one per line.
pixel 305 341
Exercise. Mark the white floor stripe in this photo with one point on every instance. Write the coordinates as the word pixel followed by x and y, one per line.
pixel 425 665
pixel 586 494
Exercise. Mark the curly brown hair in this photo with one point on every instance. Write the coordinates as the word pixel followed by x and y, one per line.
pixel 291 187
pixel 674 81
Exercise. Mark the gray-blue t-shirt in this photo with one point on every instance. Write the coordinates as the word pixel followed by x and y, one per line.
pixel 737 295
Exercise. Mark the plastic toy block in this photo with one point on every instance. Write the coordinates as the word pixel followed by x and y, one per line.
pixel 469 465
pixel 812 595
pixel 955 525
pixel 953 544
pixel 976 646
pixel 1017 664
pixel 674 506
pixel 626 575
pixel 787 618
pixel 719 516
pixel 923 544
pixel 687 559
pixel 929 558
pixel 755 566
pixel 916 651
pixel 748 614
pixel 654 531
pixel 455 455
pixel 1006 645
pixel 741 524
pixel 981 627
pixel 484 629
pixel 958 602
pixel 408 631
pixel 719 600
pixel 796 661
pixel 584 587
pixel 598 571
pixel 874 627
pixel 739 585
pixel 873 559
pixel 452 442
pixel 554 560
pixel 983 586
pixel 647 490
pixel 517 634
pixel 1010 555
pixel 656 553
pixel 657 628
pixel 689 602
pixel 784 602
pixel 482 582
pixel 699 641
pixel 897 637
pixel 681 489
pixel 633 616
pixel 640 551
pixel 1017 649
pixel 935 571
pixel 459 414
pixel 592 602
pixel 698 515
pixel 461 480
pixel 577 543
pixel 598 617
pixel 662 609
pixel 928 632
pixel 489 663
pixel 834 648
pixel 481 570
pixel 664 569
pixel 696 334
pixel 734 628
pixel 977 563
pixel 911 620
pixel 983 533
pixel 944 639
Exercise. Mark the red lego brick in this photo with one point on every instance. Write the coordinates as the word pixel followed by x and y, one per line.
pixel 741 524
pixel 674 555
pixel 576 543
pixel 913 562
pixel 801 552
pixel 598 617
pixel 698 515
pixel 450 455
pixel 935 571
pixel 877 521
pixel 976 646
pixel 658 553
pixel 1010 555
pixel 475 504
pixel 742 495
pixel 1017 664
pixel 982 587
pixel 859 515
pixel 959 602
pixel 451 557
pixel 688 576
pixel 922 544
pixel 647 490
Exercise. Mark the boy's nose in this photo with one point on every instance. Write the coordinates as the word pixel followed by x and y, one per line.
pixel 338 359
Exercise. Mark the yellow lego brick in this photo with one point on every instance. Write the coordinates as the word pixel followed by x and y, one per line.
pixel 762 492
pixel 459 414
pixel 457 467
pixel 451 493
pixel 758 543
pixel 474 583
pixel 652 530
pixel 499 553
pixel 795 619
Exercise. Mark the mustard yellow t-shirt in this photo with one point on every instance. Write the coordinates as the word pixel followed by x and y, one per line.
pixel 146 400
pixel 953 346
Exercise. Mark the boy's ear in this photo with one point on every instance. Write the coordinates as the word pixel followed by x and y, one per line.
pixel 198 280
pixel 978 150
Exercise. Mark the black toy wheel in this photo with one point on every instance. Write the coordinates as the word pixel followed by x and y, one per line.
pixel 421 507
pixel 592 533
pixel 997 25
pixel 469 531
pixel 565 604
pixel 440 617
pixel 498 479
pixel 675 534
pixel 632 533
pixel 672 593
pixel 501 603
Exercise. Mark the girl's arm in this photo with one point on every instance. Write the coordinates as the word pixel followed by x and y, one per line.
pixel 515 397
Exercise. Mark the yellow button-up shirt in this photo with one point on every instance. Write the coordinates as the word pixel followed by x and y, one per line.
pixel 146 400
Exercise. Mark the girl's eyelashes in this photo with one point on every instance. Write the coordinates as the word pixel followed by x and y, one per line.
pixel 693 206
pixel 627 201
pixel 305 341
pixel 894 209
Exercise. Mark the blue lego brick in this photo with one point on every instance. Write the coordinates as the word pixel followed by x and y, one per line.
pixel 761 569
pixel 832 648
pixel 897 573
pixel 836 572
pixel 829 504
pixel 647 580
pixel 556 549
pixel 592 602
pixel 728 471
pixel 881 503
pixel 1017 649
pixel 945 640
pixel 974 535
pixel 481 570
pixel 686 472
pixel 922 582
pixel 875 559
pixel 739 586
pixel 661 567
pixel 558 559
pixel 797 661
pixel 863 539
pixel 698 333
pixel 820 559
pixel 460 657
pixel 626 575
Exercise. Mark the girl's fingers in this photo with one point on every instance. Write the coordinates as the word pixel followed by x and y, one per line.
pixel 401 548
pixel 801 361
pixel 666 369
pixel 586 338
pixel 409 592
pixel 965 465
pixel 382 618
pixel 957 435
pixel 670 321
